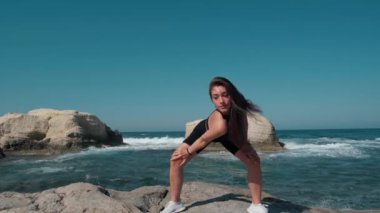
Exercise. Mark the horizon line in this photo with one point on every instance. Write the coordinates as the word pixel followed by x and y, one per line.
pixel 372 128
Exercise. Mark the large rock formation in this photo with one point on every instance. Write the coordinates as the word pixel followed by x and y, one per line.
pixel 261 134
pixel 54 130
pixel 197 197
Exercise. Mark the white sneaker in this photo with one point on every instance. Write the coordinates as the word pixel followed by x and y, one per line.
pixel 257 208
pixel 173 207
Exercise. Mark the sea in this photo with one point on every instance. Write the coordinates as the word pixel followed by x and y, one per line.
pixel 338 169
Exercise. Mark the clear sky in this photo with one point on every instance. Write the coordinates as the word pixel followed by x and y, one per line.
pixel 146 65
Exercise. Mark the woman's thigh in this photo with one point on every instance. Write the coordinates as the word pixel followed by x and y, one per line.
pixel 248 155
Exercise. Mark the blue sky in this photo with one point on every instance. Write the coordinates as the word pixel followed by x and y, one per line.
pixel 146 65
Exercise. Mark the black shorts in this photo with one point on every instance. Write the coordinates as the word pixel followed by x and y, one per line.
pixel 201 128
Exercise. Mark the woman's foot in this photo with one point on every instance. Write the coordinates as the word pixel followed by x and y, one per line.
pixel 173 207
pixel 257 208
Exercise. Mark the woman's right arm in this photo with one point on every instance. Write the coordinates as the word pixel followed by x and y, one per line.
pixel 217 127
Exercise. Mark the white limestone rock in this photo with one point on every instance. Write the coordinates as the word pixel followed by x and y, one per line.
pixel 49 129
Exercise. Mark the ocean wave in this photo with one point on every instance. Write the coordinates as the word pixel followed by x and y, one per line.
pixel 295 147
pixel 152 142
pixel 333 139
pixel 73 155
pixel 363 143
pixel 18 161
pixel 130 143
pixel 46 170
pixel 325 147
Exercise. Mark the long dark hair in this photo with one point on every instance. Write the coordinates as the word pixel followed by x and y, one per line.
pixel 240 106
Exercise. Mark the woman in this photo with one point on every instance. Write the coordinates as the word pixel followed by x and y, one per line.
pixel 227 125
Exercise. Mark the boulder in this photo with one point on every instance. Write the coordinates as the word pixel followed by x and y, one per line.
pixel 196 196
pixel 77 197
pixel 54 130
pixel 261 134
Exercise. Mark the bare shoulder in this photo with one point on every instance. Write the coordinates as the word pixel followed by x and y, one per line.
pixel 217 123
pixel 217 127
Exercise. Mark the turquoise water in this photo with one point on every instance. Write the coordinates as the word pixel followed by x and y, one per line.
pixel 321 168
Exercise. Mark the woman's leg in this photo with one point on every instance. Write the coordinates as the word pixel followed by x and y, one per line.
pixel 176 175
pixel 252 161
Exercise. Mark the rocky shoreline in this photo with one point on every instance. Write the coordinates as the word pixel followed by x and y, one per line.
pixel 197 196
pixel 50 131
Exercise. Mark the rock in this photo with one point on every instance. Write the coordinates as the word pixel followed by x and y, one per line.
pixel 54 130
pixel 2 155
pixel 146 198
pixel 77 197
pixel 197 197
pixel 261 134
pixel 217 198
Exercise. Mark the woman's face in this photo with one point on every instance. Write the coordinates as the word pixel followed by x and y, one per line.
pixel 221 99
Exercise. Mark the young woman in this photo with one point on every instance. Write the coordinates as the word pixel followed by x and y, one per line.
pixel 228 125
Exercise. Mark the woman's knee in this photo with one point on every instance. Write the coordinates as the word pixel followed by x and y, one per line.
pixel 176 164
pixel 249 159
pixel 251 155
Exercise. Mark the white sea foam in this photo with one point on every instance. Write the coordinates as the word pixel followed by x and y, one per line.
pixel 70 156
pixel 46 170
pixel 326 147
pixel 295 147
pixel 20 161
pixel 355 142
pixel 147 143
pixel 152 143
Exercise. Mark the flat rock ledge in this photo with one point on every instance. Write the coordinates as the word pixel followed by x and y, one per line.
pixel 50 131
pixel 197 196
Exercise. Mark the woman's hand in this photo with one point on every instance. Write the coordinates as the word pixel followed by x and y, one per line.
pixel 182 153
